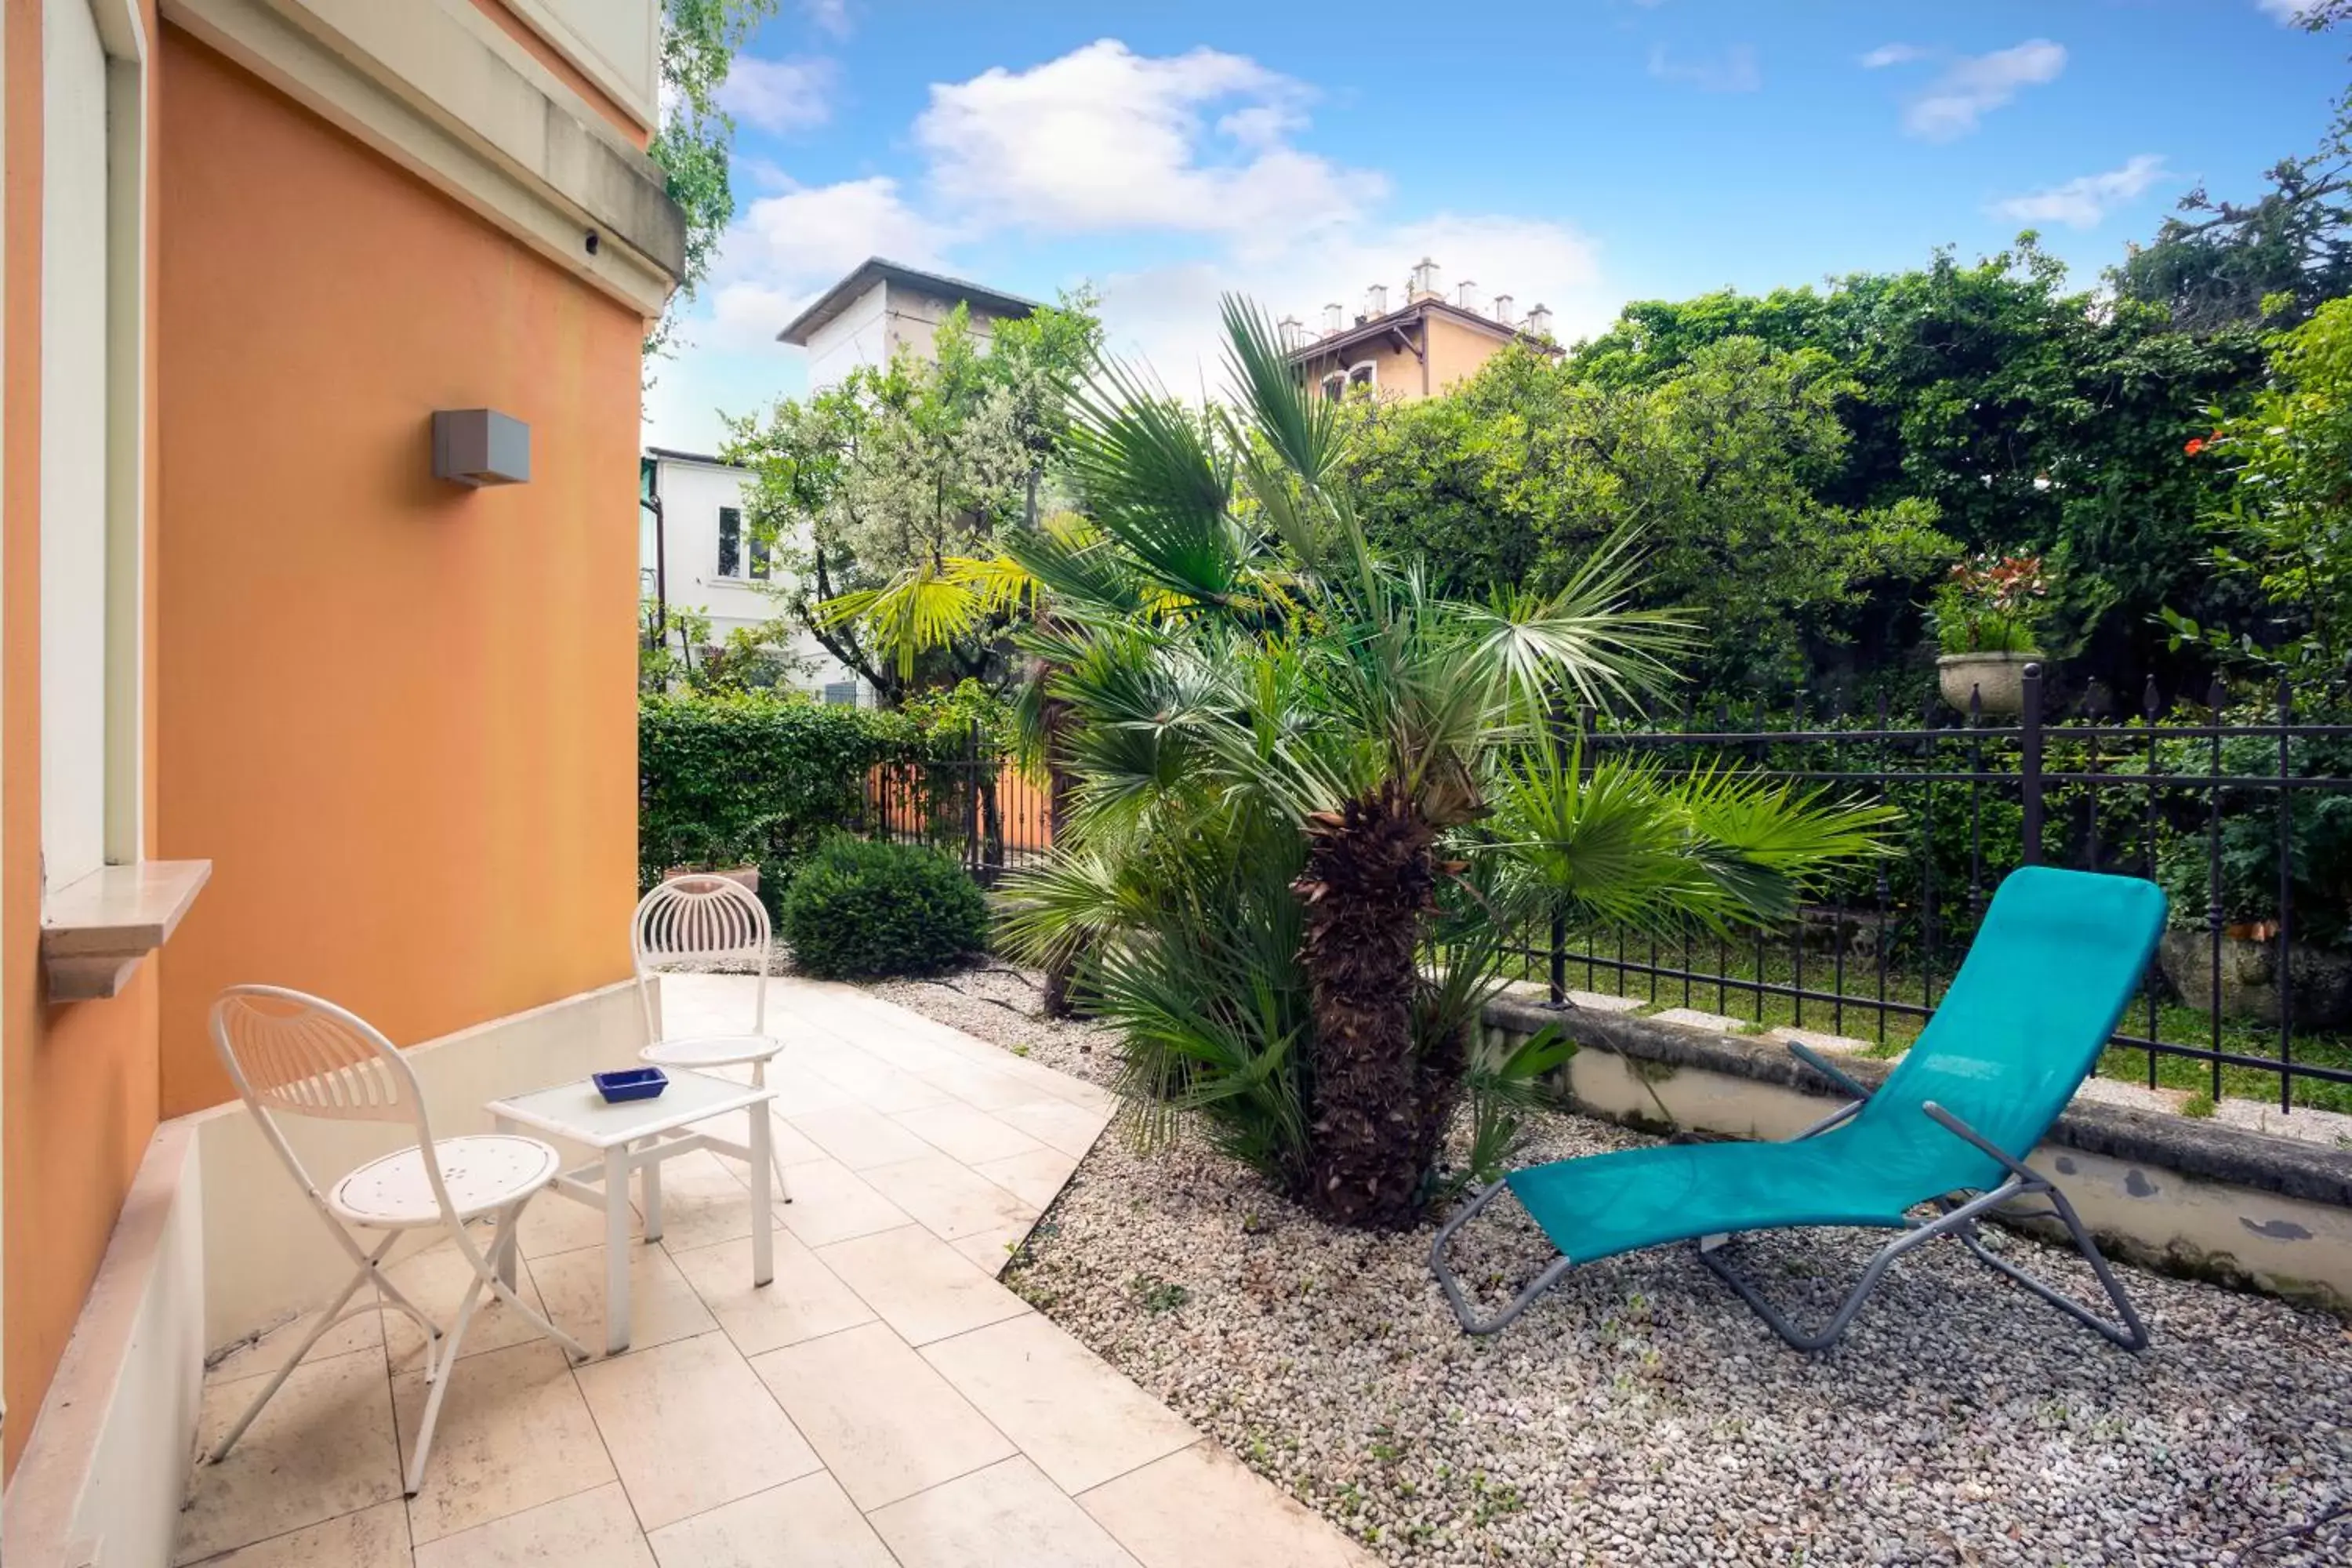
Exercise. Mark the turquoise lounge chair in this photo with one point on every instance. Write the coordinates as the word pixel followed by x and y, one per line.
pixel 2055 962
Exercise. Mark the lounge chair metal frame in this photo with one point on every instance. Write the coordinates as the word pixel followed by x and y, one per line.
pixel 1957 1217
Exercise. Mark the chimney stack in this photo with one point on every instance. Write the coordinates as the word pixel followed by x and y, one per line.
pixel 1332 318
pixel 1423 284
pixel 1539 322
pixel 1294 333
pixel 1502 308
pixel 1376 300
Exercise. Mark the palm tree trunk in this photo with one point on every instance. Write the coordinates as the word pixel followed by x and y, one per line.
pixel 1368 882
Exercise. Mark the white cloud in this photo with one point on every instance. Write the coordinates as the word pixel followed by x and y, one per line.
pixel 779 95
pixel 828 16
pixel 786 249
pixel 1734 71
pixel 1167 315
pixel 1887 55
pixel 1974 85
pixel 1104 139
pixel 1198 151
pixel 2084 202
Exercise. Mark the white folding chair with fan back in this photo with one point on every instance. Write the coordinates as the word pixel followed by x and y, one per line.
pixel 294 1054
pixel 688 924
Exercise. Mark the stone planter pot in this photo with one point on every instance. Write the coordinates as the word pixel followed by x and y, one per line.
pixel 2321 977
pixel 1997 678
pixel 747 876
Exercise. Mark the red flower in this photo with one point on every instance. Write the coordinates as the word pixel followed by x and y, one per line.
pixel 2195 445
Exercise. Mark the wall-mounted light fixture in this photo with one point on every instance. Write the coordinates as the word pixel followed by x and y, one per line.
pixel 477 446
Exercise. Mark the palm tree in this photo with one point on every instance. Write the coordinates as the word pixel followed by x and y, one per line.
pixel 1283 856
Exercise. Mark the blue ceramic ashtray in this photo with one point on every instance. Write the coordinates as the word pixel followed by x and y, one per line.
pixel 630 1083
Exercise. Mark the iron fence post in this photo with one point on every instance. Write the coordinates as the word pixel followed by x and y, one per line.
pixel 2030 764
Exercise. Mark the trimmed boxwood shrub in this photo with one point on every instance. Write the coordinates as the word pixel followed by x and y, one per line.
pixel 858 907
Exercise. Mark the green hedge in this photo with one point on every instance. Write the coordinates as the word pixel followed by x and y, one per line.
pixel 755 778
pixel 858 908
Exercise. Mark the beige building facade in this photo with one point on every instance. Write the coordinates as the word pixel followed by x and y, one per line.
pixel 1424 348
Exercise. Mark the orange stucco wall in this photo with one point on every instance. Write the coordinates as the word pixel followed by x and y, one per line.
pixel 397 716
pixel 80 1081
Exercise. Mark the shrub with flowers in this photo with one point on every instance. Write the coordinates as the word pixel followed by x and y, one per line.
pixel 1990 604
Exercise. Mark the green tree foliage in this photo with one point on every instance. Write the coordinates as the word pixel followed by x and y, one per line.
pixel 1717 463
pixel 2287 528
pixel 1301 769
pixel 699 39
pixel 877 481
pixel 857 909
pixel 2218 263
pixel 761 777
pixel 2032 419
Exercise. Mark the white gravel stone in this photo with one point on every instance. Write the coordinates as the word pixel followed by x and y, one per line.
pixel 1640 1415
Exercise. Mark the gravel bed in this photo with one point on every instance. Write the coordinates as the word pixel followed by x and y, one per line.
pixel 1640 1415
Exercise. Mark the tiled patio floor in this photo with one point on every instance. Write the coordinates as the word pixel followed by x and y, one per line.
pixel 884 1401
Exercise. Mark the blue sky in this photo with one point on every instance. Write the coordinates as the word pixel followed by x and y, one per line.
pixel 1577 153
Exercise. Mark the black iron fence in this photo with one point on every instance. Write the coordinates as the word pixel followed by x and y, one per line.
pixel 2244 816
pixel 974 802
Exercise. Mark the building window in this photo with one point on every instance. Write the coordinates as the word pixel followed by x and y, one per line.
pixel 1335 386
pixel 1367 375
pixel 730 542
pixel 841 693
pixel 758 558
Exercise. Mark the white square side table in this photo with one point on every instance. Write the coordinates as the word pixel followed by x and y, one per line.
pixel 638 1135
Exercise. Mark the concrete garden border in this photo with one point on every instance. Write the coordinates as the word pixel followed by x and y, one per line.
pixel 2165 1191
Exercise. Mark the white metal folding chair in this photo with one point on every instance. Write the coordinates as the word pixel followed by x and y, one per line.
pixel 294 1054
pixel 691 923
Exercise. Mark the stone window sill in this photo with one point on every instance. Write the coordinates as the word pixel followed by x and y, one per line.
pixel 94 931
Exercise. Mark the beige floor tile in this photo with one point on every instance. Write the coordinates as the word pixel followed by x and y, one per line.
pixel 871 1081
pixel 807 1523
pixel 947 1196
pixel 1005 1514
pixel 514 1432
pixel 831 1203
pixel 373 1538
pixel 885 1423
pixel 803 1300
pixel 790 1145
pixel 323 1447
pixel 1035 1178
pixel 919 1285
pixel 1070 1127
pixel 967 1134
pixel 267 1354
pixel 861 1138
pixel 595 1530
pixel 981 1084
pixel 799 1091
pixel 1081 1419
pixel 437 1279
pixel 705 1201
pixel 1202 1509
pixel 993 1249
pixel 554 1224
pixel 689 1427
pixel 662 1306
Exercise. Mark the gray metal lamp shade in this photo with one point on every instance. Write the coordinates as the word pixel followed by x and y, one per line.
pixel 477 446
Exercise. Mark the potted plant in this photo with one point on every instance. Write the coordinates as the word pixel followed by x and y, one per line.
pixel 1985 615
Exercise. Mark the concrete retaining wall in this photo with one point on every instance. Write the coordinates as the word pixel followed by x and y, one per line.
pixel 2174 1192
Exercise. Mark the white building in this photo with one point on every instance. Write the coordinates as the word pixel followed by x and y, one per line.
pixel 696 551
pixel 882 308
pixel 695 548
